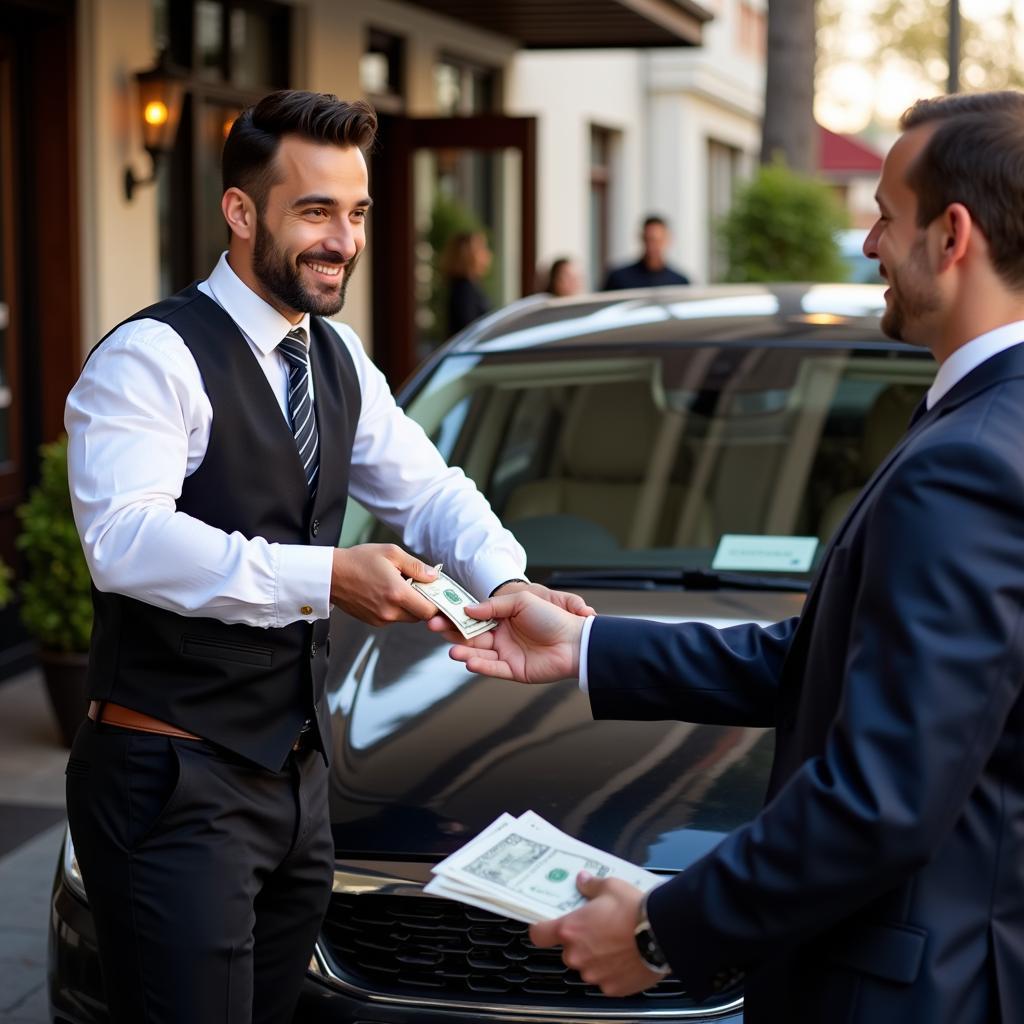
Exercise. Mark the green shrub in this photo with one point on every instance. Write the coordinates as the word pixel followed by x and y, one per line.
pixel 782 227
pixel 56 601
pixel 5 585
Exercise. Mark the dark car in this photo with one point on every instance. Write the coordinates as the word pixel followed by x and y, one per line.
pixel 674 454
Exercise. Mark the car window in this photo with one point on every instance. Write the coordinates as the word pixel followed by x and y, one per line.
pixel 629 459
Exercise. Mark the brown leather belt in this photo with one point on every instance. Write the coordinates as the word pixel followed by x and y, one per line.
pixel 117 714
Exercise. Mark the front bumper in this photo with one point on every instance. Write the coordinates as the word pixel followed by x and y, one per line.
pixel 328 997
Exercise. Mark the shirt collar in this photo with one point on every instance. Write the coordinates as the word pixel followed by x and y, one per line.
pixel 971 355
pixel 256 318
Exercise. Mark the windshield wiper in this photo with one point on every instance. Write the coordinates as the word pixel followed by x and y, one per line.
pixel 661 579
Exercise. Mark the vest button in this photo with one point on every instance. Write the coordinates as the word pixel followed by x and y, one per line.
pixel 313 647
pixel 315 527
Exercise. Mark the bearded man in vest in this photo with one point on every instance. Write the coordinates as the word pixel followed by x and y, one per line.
pixel 214 441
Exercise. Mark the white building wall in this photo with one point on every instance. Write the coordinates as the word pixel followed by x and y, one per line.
pixel 684 120
pixel 569 92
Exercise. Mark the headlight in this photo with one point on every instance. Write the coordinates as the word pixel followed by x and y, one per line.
pixel 72 872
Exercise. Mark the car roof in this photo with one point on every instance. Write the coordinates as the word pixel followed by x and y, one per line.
pixel 813 314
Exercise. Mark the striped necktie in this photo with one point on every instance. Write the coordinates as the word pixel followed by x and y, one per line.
pixel 300 405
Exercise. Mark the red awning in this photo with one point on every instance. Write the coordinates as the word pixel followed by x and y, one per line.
pixel 844 155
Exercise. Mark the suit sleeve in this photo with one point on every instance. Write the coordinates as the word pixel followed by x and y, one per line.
pixel 648 671
pixel 933 669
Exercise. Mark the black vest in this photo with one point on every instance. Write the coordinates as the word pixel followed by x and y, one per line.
pixel 243 687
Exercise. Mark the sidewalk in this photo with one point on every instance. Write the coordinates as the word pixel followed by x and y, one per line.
pixel 31 827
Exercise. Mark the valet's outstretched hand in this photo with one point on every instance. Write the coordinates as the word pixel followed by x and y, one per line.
pixel 535 641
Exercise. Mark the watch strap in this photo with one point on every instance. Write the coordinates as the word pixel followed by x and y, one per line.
pixel 647 943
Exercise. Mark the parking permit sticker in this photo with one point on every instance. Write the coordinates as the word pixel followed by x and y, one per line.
pixel 757 553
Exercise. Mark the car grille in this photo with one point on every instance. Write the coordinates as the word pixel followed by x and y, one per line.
pixel 418 945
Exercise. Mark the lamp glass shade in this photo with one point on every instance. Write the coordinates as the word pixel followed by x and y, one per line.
pixel 160 96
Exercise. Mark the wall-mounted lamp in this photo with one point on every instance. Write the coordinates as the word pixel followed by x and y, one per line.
pixel 160 90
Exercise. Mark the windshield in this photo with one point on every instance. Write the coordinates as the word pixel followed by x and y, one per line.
pixel 662 458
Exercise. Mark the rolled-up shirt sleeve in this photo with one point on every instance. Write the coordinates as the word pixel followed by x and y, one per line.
pixel 399 475
pixel 138 423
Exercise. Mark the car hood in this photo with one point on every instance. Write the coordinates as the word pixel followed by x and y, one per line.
pixel 425 754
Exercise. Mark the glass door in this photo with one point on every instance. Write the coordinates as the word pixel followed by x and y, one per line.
pixel 454 229
pixel 466 255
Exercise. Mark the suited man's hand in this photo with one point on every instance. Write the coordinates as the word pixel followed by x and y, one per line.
pixel 535 641
pixel 366 582
pixel 561 598
pixel 598 939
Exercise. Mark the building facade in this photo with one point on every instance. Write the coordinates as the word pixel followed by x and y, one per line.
pixel 668 131
pixel 462 145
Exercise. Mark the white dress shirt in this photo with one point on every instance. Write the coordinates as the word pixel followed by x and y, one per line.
pixel 138 422
pixel 966 358
pixel 971 355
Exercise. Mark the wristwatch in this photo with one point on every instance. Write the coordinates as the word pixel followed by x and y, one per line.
pixel 647 945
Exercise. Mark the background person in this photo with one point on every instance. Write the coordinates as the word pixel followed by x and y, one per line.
pixel 563 278
pixel 883 881
pixel 652 268
pixel 464 263
pixel 214 440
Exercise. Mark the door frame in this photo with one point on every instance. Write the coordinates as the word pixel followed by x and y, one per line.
pixel 394 229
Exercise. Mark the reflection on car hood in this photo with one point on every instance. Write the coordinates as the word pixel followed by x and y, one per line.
pixel 426 754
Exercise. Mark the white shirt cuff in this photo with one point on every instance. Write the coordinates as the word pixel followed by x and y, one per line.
pixel 303 583
pixel 584 648
pixel 488 574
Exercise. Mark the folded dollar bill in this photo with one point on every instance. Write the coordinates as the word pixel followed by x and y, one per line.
pixel 525 868
pixel 451 599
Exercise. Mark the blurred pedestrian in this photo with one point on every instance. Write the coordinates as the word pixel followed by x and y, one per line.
pixel 464 263
pixel 563 278
pixel 652 268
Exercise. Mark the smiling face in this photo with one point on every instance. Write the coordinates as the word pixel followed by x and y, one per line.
pixel 312 229
pixel 913 299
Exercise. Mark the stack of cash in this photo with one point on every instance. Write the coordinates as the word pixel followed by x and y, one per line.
pixel 525 868
pixel 451 599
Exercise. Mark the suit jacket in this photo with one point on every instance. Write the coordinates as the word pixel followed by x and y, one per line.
pixel 883 881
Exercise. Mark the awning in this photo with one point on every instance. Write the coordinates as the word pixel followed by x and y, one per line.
pixel 581 24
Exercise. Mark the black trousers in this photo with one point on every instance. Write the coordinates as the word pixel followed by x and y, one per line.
pixel 208 876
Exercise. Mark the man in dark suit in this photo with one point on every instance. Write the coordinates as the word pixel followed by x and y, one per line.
pixel 652 268
pixel 883 881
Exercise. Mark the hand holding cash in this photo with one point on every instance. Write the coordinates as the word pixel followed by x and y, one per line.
pixel 525 868
pixel 451 599
pixel 572 895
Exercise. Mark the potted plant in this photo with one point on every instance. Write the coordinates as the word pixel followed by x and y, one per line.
pixel 56 600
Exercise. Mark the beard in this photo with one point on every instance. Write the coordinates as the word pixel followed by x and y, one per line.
pixel 912 295
pixel 282 276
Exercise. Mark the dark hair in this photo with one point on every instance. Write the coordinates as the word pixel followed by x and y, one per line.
pixel 655 219
pixel 556 266
pixel 975 156
pixel 251 146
